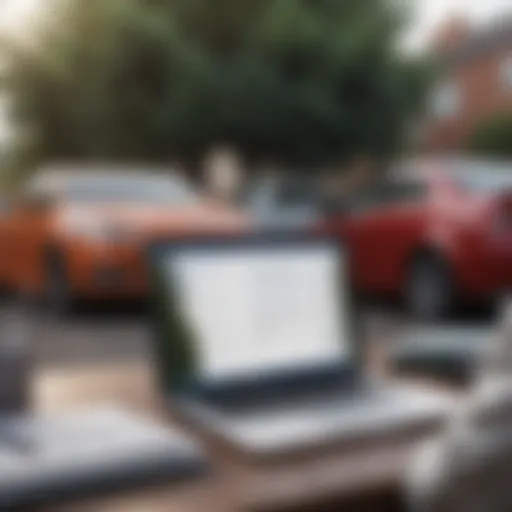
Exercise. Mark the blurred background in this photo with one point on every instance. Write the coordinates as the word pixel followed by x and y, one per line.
pixel 383 122
pixel 386 123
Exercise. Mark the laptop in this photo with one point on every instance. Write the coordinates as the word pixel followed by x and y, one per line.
pixel 257 340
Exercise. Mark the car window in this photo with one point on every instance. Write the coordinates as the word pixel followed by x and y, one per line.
pixel 387 193
pixel 115 187
pixel 406 191
pixel 139 190
pixel 285 194
pixel 299 194
pixel 363 201
pixel 484 178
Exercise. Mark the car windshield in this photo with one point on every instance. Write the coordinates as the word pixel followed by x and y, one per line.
pixel 140 189
pixel 485 177
pixel 284 202
pixel 290 194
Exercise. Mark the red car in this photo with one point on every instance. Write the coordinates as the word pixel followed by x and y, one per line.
pixel 434 233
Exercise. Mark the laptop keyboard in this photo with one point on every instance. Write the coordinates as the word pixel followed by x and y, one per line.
pixel 359 414
pixel 269 403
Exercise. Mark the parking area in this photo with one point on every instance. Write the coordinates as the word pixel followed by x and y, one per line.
pixel 118 333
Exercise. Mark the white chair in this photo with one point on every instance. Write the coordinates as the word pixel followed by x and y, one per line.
pixel 468 468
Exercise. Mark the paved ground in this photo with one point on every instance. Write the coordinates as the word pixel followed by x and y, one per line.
pixel 98 334
pixel 114 333
pixel 121 333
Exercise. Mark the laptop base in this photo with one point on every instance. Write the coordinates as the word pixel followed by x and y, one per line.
pixel 340 421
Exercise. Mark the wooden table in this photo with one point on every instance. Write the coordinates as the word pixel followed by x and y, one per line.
pixel 129 385
pixel 235 485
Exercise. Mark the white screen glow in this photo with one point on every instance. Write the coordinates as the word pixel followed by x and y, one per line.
pixel 259 311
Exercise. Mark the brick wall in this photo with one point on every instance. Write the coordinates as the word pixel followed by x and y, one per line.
pixel 482 91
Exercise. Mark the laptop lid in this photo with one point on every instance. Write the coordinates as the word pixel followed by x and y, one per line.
pixel 252 313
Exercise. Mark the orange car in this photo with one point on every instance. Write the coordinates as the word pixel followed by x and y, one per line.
pixel 82 234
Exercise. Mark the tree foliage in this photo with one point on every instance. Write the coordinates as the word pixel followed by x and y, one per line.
pixel 298 80
pixel 493 136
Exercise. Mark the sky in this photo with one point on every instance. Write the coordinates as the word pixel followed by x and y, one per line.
pixel 430 13
pixel 17 15
pixel 13 12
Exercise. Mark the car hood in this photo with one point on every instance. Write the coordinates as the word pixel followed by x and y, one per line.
pixel 152 220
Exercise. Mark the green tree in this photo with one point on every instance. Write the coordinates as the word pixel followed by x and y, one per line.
pixel 300 80
pixel 493 136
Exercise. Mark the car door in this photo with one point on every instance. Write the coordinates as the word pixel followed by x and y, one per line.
pixel 396 230
pixel 355 221
pixel 381 225
pixel 362 232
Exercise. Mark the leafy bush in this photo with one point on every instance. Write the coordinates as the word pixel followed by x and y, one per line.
pixel 493 136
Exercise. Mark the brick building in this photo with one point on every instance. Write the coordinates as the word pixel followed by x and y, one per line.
pixel 476 82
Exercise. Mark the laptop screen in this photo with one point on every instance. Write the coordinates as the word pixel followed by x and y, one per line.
pixel 265 310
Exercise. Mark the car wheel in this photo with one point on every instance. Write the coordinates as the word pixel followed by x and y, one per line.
pixel 429 292
pixel 58 297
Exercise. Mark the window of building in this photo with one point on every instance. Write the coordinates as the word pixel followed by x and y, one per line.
pixel 506 73
pixel 446 100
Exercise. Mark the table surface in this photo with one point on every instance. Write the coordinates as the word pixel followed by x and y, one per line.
pixel 234 485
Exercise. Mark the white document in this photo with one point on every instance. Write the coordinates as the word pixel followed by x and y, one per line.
pixel 258 311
